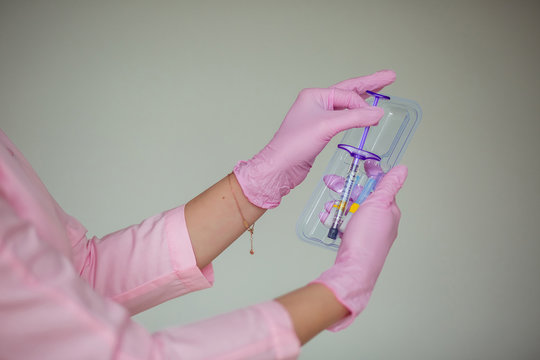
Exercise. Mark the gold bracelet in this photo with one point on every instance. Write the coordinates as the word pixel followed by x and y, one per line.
pixel 246 224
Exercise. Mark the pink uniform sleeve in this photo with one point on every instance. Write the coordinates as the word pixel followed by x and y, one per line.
pixel 139 267
pixel 48 312
pixel 143 265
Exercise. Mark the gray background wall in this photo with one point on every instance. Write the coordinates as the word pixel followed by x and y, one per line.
pixel 127 108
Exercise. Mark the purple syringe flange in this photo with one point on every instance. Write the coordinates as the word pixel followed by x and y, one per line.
pixel 359 153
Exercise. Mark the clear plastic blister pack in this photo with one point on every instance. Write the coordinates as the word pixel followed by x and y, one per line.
pixel 363 157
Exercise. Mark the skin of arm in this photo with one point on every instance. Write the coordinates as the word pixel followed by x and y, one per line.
pixel 312 308
pixel 211 238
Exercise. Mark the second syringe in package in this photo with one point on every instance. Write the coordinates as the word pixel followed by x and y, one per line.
pixel 361 160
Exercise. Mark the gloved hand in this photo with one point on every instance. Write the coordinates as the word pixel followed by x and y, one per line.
pixel 314 118
pixel 364 246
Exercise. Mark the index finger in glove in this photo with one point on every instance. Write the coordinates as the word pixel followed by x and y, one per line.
pixel 374 82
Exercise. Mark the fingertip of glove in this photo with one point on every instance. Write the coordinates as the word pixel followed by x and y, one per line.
pixel 385 77
pixel 376 113
pixel 377 110
pixel 376 81
pixel 373 111
pixel 401 172
pixel 387 74
pixel 394 179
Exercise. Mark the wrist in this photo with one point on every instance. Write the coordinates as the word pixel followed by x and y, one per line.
pixel 350 291
pixel 312 309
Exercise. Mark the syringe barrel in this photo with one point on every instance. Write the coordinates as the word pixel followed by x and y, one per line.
pixel 345 197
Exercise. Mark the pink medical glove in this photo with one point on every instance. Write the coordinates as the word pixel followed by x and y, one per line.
pixel 364 247
pixel 314 118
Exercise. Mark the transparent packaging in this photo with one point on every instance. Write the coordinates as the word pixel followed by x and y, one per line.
pixel 349 178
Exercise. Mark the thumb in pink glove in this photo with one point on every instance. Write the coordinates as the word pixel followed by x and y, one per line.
pixel 315 117
pixel 364 247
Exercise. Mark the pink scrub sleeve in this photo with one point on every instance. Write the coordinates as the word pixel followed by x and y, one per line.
pixel 143 265
pixel 139 267
pixel 48 312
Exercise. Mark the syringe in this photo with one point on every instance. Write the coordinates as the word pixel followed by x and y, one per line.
pixel 357 154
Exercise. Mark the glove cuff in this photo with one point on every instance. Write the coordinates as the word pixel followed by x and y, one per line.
pixel 263 188
pixel 350 295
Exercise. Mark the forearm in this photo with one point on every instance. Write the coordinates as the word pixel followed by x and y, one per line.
pixel 214 220
pixel 312 309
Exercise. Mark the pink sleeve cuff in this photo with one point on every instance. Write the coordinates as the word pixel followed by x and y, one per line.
pixel 182 275
pixel 262 331
pixel 181 253
pixel 279 321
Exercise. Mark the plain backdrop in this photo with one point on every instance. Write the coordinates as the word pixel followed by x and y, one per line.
pixel 128 108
